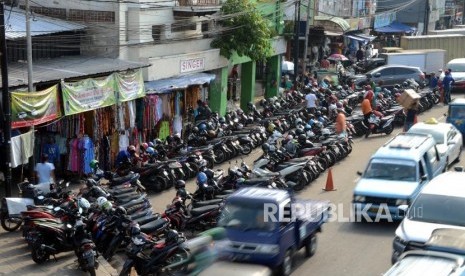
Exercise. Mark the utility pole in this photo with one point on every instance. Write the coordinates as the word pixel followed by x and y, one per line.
pixel 296 38
pixel 30 83
pixel 6 105
pixel 307 30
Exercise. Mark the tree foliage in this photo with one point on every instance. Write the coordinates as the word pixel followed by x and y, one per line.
pixel 245 31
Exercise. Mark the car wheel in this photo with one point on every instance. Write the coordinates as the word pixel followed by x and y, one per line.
pixel 311 246
pixel 285 268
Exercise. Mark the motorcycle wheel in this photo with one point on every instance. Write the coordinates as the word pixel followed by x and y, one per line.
pixel 210 162
pixel 39 255
pixel 219 156
pixel 389 129
pixel 157 183
pixel 10 224
pixel 246 149
pixel 179 255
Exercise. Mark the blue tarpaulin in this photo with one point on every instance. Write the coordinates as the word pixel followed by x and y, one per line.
pixel 396 27
pixel 180 82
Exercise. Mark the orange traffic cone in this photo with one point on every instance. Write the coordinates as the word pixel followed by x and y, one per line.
pixel 329 182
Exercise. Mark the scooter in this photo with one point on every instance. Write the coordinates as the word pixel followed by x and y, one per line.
pixel 380 125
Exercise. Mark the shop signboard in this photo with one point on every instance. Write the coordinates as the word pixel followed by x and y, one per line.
pixel 88 94
pixel 130 85
pixel 192 65
pixel 34 108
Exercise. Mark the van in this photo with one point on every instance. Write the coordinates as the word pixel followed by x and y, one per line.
pixel 394 175
pixel 456 114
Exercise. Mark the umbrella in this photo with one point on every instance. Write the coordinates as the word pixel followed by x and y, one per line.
pixel 287 66
pixel 337 57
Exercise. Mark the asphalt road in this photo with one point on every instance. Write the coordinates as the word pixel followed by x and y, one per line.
pixel 345 248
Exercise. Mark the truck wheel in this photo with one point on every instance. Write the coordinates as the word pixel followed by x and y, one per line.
pixel 311 246
pixel 285 268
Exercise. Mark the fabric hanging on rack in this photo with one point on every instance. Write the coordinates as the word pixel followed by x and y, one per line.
pixel 159 108
pixel 121 117
pixel 87 150
pixel 73 161
pixel 132 113
pixel 114 145
pixel 177 124
pixel 123 141
pixel 164 130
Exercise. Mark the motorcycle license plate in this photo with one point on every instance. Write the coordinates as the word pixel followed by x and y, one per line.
pixel 88 254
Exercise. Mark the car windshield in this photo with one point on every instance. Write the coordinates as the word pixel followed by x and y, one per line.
pixel 439 209
pixel 456 67
pixel 457 111
pixel 438 136
pixel 388 169
pixel 246 217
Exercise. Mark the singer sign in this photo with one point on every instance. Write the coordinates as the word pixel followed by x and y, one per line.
pixel 191 65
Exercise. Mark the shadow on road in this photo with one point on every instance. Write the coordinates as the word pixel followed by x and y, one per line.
pixel 383 228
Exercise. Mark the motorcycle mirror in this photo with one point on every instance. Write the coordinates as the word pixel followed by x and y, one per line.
pixel 80 210
pixel 69 226
pixel 61 182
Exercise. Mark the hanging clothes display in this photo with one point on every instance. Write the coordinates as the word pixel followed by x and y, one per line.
pixel 86 148
pixel 74 160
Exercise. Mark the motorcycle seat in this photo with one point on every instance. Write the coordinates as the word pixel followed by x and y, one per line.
pixel 153 226
pixel 221 196
pixel 127 178
pixel 124 196
pixel 139 214
pixel 297 160
pixel 207 202
pixel 203 209
pixel 133 203
pixel 146 219
pixel 127 199
pixel 121 191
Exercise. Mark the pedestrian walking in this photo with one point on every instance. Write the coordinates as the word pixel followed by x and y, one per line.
pixel 447 83
pixel 410 116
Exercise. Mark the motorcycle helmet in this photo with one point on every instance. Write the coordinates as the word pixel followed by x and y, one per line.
pixel 271 127
pixel 177 135
pixel 240 126
pixel 338 105
pixel 93 164
pixel 131 149
pixel 211 134
pixel 298 121
pixel 100 201
pixel 222 120
pixel 83 204
pixel 202 127
pixel 180 184
pixel 315 84
pixel 177 201
pixel 405 84
pixel 144 146
pixel 324 110
pixel 299 131
pixel 339 87
pixel 151 144
pixel 397 86
pixel 263 102
pixel 302 138
pixel 291 132
pixel 345 87
pixel 150 150
pixel 91 183
pixel 239 111
pixel 326 132
pixel 120 211
pixel 195 130
pixel 367 87
pixel 157 142
pixel 107 206
pixel 202 178
pixel 307 127
pixel 318 113
pixel 171 236
pixel 250 106
pixel 266 147
pixel 240 181
pixel 272 149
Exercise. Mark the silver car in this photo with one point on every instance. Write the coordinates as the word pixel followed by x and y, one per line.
pixel 392 75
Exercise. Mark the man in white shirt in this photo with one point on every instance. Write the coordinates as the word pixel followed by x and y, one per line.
pixel 312 102
pixel 45 171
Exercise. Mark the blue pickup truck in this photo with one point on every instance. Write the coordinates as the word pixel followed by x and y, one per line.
pixel 268 226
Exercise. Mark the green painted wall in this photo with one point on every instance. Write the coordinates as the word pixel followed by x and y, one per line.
pixel 273 76
pixel 218 92
pixel 247 83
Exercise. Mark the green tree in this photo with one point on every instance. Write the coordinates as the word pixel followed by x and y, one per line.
pixel 244 30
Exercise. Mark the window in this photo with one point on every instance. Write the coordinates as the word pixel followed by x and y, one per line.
pixel 404 71
pixel 431 157
pixel 421 168
pixel 387 72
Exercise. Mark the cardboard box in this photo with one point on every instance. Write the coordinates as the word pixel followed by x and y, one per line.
pixel 408 98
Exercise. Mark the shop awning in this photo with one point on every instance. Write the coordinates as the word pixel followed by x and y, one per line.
pixel 361 37
pixel 396 27
pixel 15 24
pixel 332 23
pixel 56 69
pixel 180 82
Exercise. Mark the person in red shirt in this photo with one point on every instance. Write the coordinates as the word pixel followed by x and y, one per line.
pixel 325 63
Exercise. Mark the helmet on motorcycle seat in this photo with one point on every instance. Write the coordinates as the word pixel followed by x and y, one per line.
pixel 338 105
pixel 101 200
pixel 120 211
pixel 171 236
pixel 397 86
pixel 91 183
pixel 239 111
pixel 222 120
pixel 405 84
pixel 180 184
pixel 339 87
pixel 202 178
pixel 144 146
pixel 195 130
pixel 324 110
pixel 308 127
pixel 266 147
pixel 272 149
pixel 93 164
pixel 263 102
pixel 107 206
pixel 299 131
pixel 157 142
pixel 298 121
pixel 289 138
pixel 302 138
pixel 318 113
pixel 131 148
pixel 318 125
pixel 211 133
pixel 83 203
pixel 202 164
pixel 345 87
pixel 311 116
pixel 325 132
pixel 291 132
pixel 250 105
pixel 240 126
pixel 271 127
pixel 150 150
pixel 202 127
pixel 135 230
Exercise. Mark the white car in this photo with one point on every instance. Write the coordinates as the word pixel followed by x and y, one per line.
pixel 439 205
pixel 448 138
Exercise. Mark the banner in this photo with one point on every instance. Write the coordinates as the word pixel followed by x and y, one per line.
pixel 88 94
pixel 130 86
pixel 33 108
